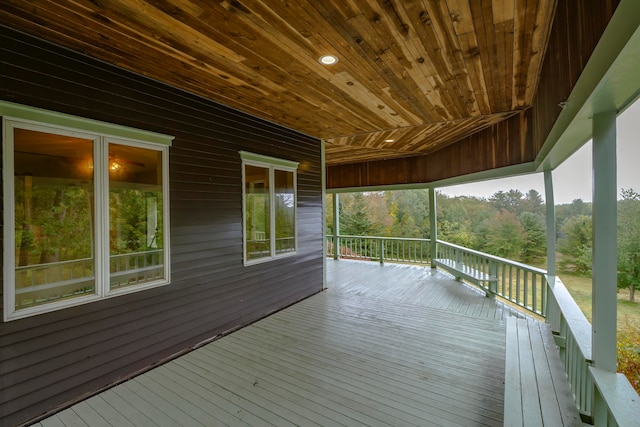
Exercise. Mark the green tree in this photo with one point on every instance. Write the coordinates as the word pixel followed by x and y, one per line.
pixel 354 217
pixel 533 203
pixel 410 212
pixel 535 246
pixel 454 222
pixel 506 237
pixel 629 242
pixel 575 245
pixel 511 201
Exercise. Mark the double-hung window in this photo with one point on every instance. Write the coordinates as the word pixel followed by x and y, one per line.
pixel 269 207
pixel 85 210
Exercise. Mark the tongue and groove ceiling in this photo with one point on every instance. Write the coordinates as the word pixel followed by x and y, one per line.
pixel 413 76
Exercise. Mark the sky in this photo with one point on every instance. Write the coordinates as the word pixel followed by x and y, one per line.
pixel 572 179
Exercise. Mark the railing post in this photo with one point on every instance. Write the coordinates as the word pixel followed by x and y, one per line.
pixel 493 283
pixel 433 226
pixel 381 251
pixel 336 226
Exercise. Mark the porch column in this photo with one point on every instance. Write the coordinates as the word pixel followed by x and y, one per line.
pixel 551 223
pixel 323 168
pixel 433 226
pixel 604 241
pixel 336 226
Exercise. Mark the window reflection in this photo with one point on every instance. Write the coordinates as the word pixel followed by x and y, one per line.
pixel 53 185
pixel 285 211
pixel 135 216
pixel 257 217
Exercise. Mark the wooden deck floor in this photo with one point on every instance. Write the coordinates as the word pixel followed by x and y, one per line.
pixel 383 346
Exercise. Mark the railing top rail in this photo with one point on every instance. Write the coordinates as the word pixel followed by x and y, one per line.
pixel 495 258
pixel 413 239
pixel 52 264
pixel 135 253
pixel 73 261
pixel 576 320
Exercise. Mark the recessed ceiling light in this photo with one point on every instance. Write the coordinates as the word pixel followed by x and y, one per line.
pixel 328 59
pixel 389 140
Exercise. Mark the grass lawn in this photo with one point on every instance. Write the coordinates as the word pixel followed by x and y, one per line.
pixel 580 289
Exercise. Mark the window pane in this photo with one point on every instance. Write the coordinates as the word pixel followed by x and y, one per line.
pixel 257 216
pixel 53 183
pixel 285 212
pixel 135 216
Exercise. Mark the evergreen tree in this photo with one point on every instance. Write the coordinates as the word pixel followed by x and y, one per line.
pixel 576 244
pixel 354 217
pixel 533 203
pixel 511 201
pixel 506 237
pixel 535 246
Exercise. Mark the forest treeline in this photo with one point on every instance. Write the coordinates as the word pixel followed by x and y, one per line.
pixel 508 224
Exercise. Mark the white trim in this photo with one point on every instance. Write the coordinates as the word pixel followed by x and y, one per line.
pixel 35 115
pixel 268 160
pixel 100 190
pixel 271 164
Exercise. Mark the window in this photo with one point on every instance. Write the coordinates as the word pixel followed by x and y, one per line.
pixel 86 214
pixel 269 207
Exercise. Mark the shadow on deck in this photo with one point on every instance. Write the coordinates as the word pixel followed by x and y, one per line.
pixel 389 345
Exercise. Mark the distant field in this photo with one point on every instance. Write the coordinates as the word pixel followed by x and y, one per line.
pixel 580 288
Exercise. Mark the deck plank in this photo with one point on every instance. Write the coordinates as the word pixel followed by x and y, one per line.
pixel 390 345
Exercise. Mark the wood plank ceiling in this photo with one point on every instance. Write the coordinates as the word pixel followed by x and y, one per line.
pixel 412 77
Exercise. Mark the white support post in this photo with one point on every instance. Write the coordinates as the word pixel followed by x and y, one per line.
pixel 604 241
pixel 551 223
pixel 433 226
pixel 336 226
pixel 323 177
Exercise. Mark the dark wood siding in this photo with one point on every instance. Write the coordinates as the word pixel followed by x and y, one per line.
pixel 503 144
pixel 577 28
pixel 53 358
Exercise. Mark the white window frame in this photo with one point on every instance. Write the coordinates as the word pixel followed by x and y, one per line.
pixel 15 116
pixel 272 164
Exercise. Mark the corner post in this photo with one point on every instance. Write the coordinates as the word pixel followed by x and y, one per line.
pixel 336 226
pixel 604 241
pixel 323 177
pixel 433 226
pixel 551 223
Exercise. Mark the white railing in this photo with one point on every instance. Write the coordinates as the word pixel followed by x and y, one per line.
pixel 40 283
pixel 136 267
pixel 572 333
pixel 369 248
pixel 606 398
pixel 520 284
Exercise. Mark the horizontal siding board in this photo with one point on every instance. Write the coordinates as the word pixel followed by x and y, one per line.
pixel 56 357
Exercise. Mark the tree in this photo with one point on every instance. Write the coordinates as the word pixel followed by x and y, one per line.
pixel 533 203
pixel 410 212
pixel 576 244
pixel 354 217
pixel 535 246
pixel 629 242
pixel 506 237
pixel 511 201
